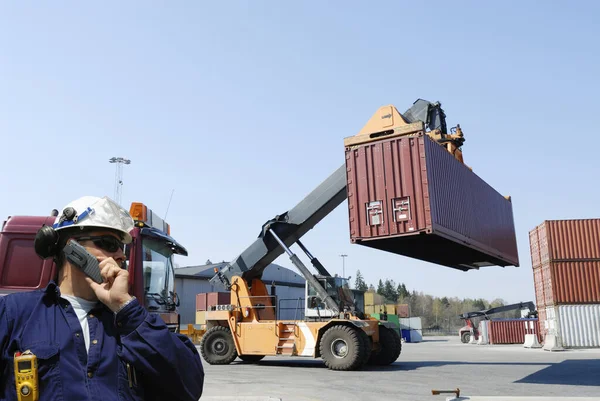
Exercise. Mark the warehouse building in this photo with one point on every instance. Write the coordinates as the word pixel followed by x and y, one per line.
pixel 192 280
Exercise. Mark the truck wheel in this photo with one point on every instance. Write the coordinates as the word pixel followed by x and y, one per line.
pixel 391 347
pixel 367 346
pixel 342 348
pixel 251 358
pixel 465 337
pixel 217 346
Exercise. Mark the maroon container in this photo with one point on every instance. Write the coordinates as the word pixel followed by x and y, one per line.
pixel 409 196
pixel 218 298
pixel 570 283
pixel 201 301
pixel 538 282
pixel 512 331
pixel 565 240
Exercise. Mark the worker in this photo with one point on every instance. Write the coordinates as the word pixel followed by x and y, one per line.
pixel 93 341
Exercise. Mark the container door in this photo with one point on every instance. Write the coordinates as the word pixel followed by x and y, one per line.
pixel 405 181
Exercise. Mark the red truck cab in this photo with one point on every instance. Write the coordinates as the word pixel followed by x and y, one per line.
pixel 149 261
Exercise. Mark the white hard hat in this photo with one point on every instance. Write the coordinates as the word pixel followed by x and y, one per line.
pixel 90 211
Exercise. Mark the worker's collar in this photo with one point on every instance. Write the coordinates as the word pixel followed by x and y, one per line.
pixel 52 290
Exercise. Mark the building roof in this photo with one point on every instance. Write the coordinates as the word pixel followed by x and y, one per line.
pixel 273 272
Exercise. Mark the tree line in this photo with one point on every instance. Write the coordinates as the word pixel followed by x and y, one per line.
pixel 437 313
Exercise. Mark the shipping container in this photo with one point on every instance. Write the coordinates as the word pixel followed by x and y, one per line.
pixel 512 331
pixel 565 240
pixel 372 298
pixel 538 283
pixel 576 326
pixel 407 195
pixel 547 284
pixel 402 310
pixel 390 309
pixel 201 301
pixel 534 246
pixel 207 299
pixel 558 283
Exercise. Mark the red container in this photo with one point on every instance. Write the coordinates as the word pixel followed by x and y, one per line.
pixel 569 283
pixel 565 240
pixel 402 310
pixel 512 331
pixel 207 299
pixel 201 302
pixel 534 246
pixel 217 298
pixel 409 196
pixel 547 285
pixel 538 282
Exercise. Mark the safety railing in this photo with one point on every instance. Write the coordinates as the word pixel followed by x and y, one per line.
pixel 299 308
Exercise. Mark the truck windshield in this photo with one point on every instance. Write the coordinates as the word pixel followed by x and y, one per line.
pixel 158 273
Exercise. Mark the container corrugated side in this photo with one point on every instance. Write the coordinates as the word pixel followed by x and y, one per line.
pixel 576 282
pixel 467 208
pixel 201 301
pixel 571 240
pixel 534 248
pixel 538 283
pixel 547 284
pixel 512 331
pixel 380 172
pixel 579 325
pixel 569 283
pixel 405 186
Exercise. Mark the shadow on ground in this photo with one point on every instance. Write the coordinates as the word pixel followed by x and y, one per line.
pixel 397 366
pixel 574 372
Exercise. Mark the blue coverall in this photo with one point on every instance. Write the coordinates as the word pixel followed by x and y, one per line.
pixel 132 355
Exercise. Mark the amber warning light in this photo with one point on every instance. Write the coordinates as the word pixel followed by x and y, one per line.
pixel 145 217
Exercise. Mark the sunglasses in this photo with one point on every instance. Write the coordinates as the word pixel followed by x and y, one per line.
pixel 105 242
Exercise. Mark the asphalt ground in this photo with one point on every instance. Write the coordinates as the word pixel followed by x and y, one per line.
pixel 442 363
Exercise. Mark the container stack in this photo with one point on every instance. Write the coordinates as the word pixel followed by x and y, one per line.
pixel 565 256
pixel 376 304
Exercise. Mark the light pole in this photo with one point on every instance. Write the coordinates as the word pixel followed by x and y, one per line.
pixel 343 256
pixel 119 161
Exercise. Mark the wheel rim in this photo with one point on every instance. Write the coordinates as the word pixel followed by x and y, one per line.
pixel 219 347
pixel 339 348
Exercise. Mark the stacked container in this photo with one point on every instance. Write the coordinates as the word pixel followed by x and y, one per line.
pixel 565 256
pixel 205 300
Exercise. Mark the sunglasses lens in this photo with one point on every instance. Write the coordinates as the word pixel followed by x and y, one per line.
pixel 110 244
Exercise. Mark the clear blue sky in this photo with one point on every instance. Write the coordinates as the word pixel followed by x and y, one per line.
pixel 242 108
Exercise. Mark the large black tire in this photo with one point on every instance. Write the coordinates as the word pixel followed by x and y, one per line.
pixel 367 346
pixel 217 346
pixel 342 348
pixel 465 337
pixel 391 347
pixel 251 358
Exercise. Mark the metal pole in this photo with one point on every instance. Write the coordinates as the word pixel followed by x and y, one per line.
pixel 119 161
pixel 307 275
pixel 343 256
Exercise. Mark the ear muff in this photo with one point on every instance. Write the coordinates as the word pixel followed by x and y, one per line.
pixel 46 242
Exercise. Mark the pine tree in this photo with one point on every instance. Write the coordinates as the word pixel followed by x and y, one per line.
pixel 380 288
pixel 359 282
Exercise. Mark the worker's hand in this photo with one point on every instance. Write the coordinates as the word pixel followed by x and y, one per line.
pixel 114 291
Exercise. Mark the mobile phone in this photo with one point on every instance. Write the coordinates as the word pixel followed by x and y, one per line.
pixel 80 257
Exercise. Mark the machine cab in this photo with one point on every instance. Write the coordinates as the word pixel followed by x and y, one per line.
pixel 153 253
pixel 337 288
